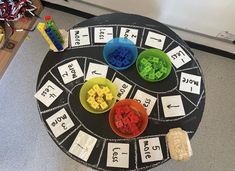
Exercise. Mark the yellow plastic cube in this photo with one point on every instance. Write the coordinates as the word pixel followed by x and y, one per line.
pixel 91 92
pixel 96 87
pixel 106 90
pixel 109 96
pixel 99 100
pixel 104 105
pixel 91 99
pixel 95 105
pixel 100 93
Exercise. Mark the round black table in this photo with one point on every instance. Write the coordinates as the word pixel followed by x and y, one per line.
pixel 177 101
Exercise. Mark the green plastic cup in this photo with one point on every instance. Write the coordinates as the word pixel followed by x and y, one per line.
pixel 88 85
pixel 153 65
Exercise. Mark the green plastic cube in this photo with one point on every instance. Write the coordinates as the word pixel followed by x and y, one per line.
pixel 163 69
pixel 159 74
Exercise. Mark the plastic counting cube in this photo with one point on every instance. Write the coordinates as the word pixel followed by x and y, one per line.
pixel 106 90
pixel 103 105
pixel 95 105
pixel 96 87
pixel 159 74
pixel 91 100
pixel 109 96
pixel 119 124
pixel 91 92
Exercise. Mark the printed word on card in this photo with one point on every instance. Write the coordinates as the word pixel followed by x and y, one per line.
pixel 83 145
pixel 103 34
pixel 178 57
pixel 172 106
pixel 122 87
pixel 118 155
pixel 60 122
pixel 70 71
pixel 190 83
pixel 130 34
pixel 96 70
pixel 155 40
pixel 150 150
pixel 147 100
pixel 48 93
pixel 80 37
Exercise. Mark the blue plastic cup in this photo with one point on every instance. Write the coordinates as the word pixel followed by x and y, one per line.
pixel 120 53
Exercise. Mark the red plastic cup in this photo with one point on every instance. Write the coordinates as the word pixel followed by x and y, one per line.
pixel 128 118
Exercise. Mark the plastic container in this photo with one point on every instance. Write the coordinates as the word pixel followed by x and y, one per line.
pixel 101 82
pixel 128 118
pixel 120 53
pixel 153 65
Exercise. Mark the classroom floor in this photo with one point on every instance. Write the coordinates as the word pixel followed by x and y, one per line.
pixel 25 144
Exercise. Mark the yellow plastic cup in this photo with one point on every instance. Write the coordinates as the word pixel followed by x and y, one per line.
pixel 88 85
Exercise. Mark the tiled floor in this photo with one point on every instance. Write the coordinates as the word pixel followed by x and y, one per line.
pixel 25 144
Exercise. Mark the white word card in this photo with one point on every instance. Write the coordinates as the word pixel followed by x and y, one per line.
pixel 130 34
pixel 122 87
pixel 103 34
pixel 60 122
pixel 118 155
pixel 48 93
pixel 80 37
pixel 190 83
pixel 96 70
pixel 83 145
pixel 150 150
pixel 155 40
pixel 178 57
pixel 172 106
pixel 147 100
pixel 70 71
